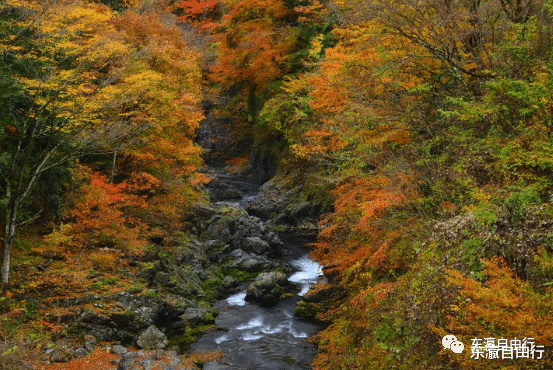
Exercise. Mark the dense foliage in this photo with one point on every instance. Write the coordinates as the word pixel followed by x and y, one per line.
pixel 119 91
pixel 427 125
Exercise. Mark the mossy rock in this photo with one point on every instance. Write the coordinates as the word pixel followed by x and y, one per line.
pixel 307 309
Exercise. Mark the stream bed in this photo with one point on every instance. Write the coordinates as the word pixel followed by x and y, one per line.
pixel 264 338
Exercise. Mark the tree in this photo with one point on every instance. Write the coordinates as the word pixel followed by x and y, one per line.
pixel 80 86
pixel 194 10
pixel 503 306
pixel 259 42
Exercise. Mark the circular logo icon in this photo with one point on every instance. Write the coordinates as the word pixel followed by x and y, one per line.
pixel 447 340
pixel 457 347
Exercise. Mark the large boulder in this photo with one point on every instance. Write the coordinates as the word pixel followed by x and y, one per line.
pixel 133 315
pixel 227 285
pixel 233 226
pixel 216 250
pixel 256 245
pixel 198 316
pixel 267 288
pixel 152 338
pixel 243 261
pixel 220 190
pixel 286 208
pixel 145 311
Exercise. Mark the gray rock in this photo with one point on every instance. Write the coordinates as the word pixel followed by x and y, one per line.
pixel 285 208
pixel 49 351
pixel 80 352
pixel 106 332
pixel 225 287
pixel 256 245
pixel 218 229
pixel 220 190
pixel 197 316
pixel 273 240
pixel 163 279
pixel 235 227
pixel 61 355
pixel 118 350
pixel 269 201
pixel 147 360
pixel 145 309
pixel 240 260
pixel 90 346
pixel 152 338
pixel 215 246
pixel 228 282
pixel 267 288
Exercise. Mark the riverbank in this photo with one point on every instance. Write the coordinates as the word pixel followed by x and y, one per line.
pixel 176 291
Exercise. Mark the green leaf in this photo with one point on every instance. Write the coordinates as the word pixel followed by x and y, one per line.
pixel 10 351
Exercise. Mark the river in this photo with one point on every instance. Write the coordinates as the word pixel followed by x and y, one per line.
pixel 264 338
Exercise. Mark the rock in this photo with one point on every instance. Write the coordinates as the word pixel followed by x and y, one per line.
pixel 227 285
pixel 198 316
pixel 163 279
pixel 268 203
pixel 219 136
pixel 228 282
pixel 89 346
pixel 274 241
pixel 218 229
pixel 152 338
pixel 307 309
pixel 216 250
pixel 263 163
pixel 49 351
pixel 102 328
pixel 321 294
pixel 118 350
pixel 80 352
pixel 147 360
pixel 146 311
pixel 254 244
pixel 220 190
pixel 267 288
pixel 284 208
pixel 90 342
pixel 233 226
pixel 135 290
pixel 240 260
pixel 61 355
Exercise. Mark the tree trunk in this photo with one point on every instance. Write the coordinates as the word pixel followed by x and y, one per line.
pixel 7 239
pixel 5 263
pixel 110 180
pixel 8 236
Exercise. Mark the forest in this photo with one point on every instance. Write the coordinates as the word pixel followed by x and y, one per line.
pixel 420 131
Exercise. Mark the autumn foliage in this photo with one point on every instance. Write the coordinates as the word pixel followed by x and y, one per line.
pixel 101 215
pixel 420 114
pixel 422 128
pixel 503 306
pixel 119 91
pixel 194 9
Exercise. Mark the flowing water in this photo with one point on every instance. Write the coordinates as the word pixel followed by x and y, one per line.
pixel 262 338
